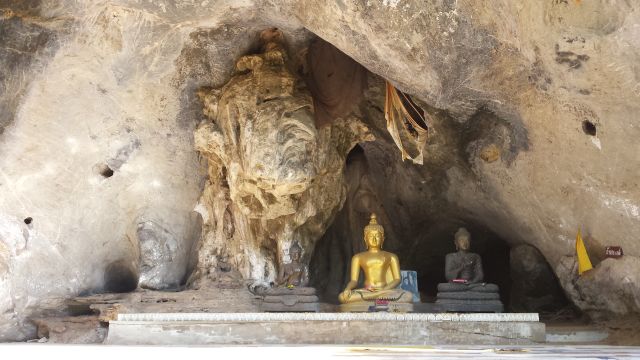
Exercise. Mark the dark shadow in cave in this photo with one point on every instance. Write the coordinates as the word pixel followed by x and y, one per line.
pixel 331 259
pixel 428 254
pixel 120 277
pixel 422 245
pixel 195 238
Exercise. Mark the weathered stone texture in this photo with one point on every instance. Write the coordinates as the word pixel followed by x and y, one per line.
pixel 534 136
pixel 93 150
pixel 535 287
pixel 75 330
pixel 539 70
pixel 273 177
pixel 609 290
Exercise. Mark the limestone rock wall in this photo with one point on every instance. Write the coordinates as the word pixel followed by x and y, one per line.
pixel 273 177
pixel 611 286
pixel 535 132
pixel 95 159
pixel 535 287
pixel 543 97
pixel 98 112
pixel 498 58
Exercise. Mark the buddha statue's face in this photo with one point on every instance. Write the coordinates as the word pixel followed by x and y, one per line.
pixel 295 255
pixel 463 242
pixel 374 239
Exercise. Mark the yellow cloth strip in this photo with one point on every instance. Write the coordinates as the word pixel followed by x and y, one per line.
pixel 584 263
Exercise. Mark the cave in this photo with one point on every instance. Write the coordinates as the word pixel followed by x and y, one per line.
pixel 421 241
pixel 421 246
pixel 170 134
pixel 120 277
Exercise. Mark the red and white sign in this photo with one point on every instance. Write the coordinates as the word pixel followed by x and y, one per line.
pixel 613 251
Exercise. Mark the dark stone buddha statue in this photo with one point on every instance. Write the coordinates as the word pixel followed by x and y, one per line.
pixel 463 265
pixel 465 290
pixel 292 292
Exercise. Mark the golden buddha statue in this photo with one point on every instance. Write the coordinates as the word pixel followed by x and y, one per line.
pixel 381 272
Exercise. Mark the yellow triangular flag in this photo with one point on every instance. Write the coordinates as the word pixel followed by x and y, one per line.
pixel 584 263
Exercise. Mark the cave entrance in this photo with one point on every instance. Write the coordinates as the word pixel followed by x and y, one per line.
pixel 411 201
pixel 427 257
pixel 419 227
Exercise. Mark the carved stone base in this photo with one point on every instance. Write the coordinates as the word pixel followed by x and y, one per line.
pixel 370 306
pixel 480 287
pixel 302 299
pixel 481 297
pixel 468 295
pixel 452 305
pixel 299 307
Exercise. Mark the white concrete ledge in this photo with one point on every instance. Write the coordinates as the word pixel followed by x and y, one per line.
pixel 274 317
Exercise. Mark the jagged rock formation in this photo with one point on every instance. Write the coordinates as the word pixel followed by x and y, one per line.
pixel 534 136
pixel 612 285
pixel 535 287
pixel 273 178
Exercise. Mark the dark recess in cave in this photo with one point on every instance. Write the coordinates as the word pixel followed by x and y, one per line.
pixel 589 128
pixel 107 172
pixel 421 246
pixel 427 257
pixel 420 230
pixel 539 292
pixel 120 277
pixel 103 170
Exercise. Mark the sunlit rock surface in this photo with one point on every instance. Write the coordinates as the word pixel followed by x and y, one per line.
pixel 273 177
pixel 534 136
pixel 607 291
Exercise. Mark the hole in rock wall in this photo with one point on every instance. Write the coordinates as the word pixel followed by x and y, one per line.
pixel 28 220
pixel 120 276
pixel 104 170
pixel 589 128
pixel 107 172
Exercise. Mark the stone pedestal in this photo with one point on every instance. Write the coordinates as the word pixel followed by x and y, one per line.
pixel 371 306
pixel 454 297
pixel 325 328
pixel 298 299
